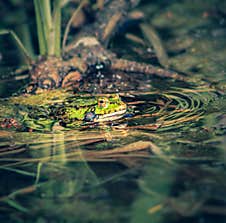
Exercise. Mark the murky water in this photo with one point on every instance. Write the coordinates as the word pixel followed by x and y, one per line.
pixel 164 164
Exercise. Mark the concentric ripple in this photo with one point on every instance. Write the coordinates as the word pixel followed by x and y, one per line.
pixel 171 109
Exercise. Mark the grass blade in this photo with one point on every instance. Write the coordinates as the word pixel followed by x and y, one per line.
pixel 20 44
pixel 40 28
pixel 57 27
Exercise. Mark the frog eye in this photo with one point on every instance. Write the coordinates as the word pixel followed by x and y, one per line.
pixel 102 102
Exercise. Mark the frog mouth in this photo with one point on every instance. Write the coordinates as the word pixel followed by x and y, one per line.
pixel 110 117
pixel 93 117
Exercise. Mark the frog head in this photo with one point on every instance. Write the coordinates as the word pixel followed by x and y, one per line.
pixel 108 109
pixel 92 109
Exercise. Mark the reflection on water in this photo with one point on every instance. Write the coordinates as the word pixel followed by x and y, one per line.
pixel 164 164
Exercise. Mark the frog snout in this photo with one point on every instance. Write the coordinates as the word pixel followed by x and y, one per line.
pixel 89 117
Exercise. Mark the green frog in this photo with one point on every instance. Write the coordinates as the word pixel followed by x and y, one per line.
pixel 59 108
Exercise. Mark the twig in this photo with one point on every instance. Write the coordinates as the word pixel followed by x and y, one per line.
pixel 153 38
pixel 135 67
pixel 68 26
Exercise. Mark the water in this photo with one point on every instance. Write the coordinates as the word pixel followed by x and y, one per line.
pixel 165 164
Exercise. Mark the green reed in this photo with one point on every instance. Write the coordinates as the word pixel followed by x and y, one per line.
pixel 48 20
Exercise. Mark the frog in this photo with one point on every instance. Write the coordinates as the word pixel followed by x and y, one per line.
pixel 41 112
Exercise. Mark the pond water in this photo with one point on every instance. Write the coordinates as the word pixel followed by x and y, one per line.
pixel 166 163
